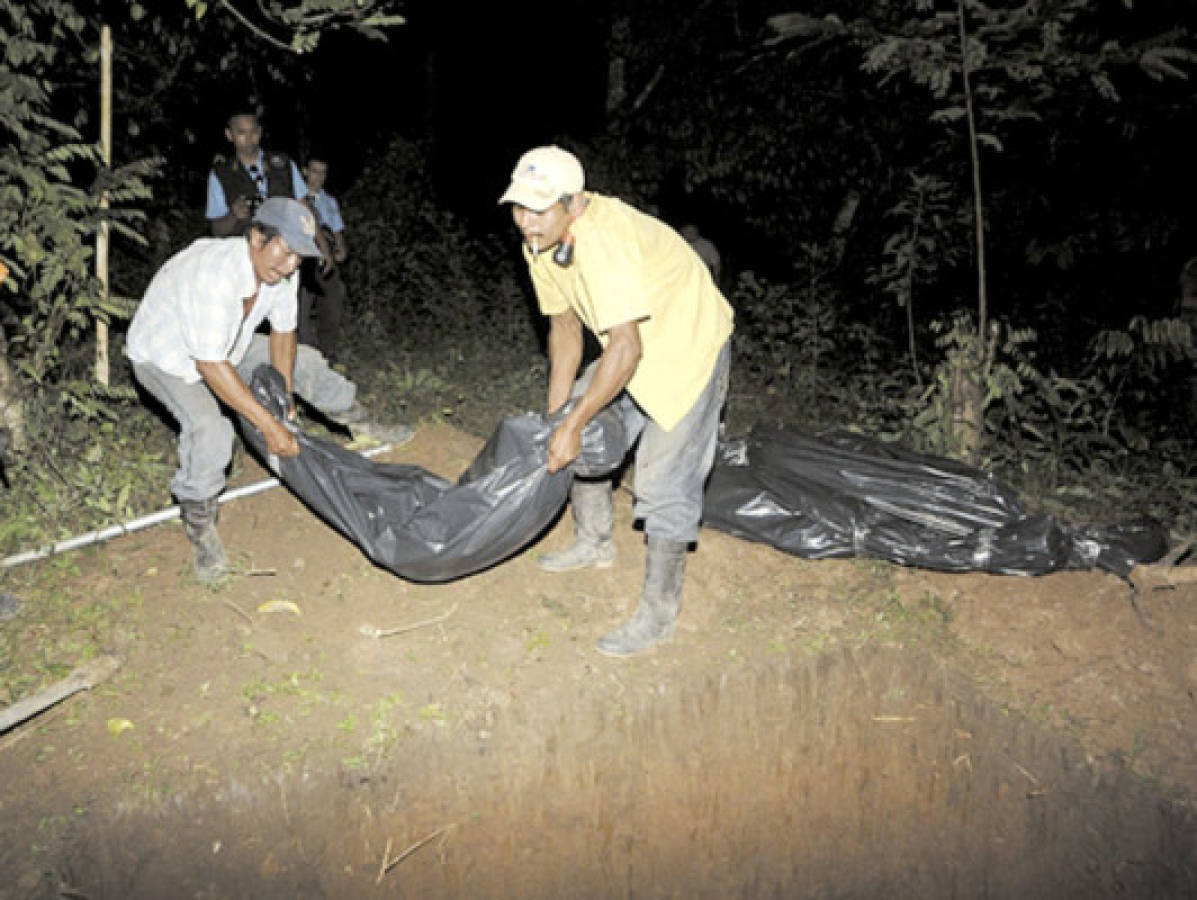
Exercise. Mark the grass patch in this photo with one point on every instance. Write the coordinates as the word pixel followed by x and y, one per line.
pixel 884 615
pixel 59 626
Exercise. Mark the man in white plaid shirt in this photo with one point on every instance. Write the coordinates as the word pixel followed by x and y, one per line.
pixel 193 346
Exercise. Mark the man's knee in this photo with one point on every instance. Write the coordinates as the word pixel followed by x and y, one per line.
pixel 311 367
pixel 319 384
pixel 308 361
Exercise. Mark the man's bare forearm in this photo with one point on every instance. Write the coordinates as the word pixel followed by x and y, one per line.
pixel 615 369
pixel 565 355
pixel 222 378
pixel 612 374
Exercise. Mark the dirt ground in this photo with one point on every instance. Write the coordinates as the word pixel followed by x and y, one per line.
pixel 816 729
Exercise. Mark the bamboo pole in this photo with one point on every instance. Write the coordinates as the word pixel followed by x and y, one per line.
pixel 102 235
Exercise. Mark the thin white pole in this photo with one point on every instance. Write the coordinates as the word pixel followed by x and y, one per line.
pixel 156 518
pixel 102 237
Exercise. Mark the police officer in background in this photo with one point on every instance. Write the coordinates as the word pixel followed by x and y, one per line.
pixel 322 291
pixel 238 184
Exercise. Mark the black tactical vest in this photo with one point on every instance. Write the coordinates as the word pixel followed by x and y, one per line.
pixel 236 181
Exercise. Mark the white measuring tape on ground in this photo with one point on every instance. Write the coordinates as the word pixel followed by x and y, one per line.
pixel 157 518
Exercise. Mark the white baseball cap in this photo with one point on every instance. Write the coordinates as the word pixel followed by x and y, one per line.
pixel 542 176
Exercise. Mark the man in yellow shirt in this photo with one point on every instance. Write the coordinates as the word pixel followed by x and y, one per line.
pixel 665 329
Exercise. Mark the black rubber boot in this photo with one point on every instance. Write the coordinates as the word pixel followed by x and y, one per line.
pixel 199 521
pixel 594 522
pixel 660 602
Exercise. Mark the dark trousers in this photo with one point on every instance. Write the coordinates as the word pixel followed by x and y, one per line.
pixel 321 306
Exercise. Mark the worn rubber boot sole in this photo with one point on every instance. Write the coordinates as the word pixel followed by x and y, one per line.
pixel 637 635
pixel 616 646
pixel 579 556
pixel 395 435
pixel 211 562
pixel 627 654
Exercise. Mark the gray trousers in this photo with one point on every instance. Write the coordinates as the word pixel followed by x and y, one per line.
pixel 205 432
pixel 672 466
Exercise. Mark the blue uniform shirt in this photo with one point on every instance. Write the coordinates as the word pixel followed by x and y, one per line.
pixel 328 210
pixel 218 204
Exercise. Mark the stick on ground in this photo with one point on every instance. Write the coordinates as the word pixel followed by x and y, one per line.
pixel 388 863
pixel 83 678
pixel 371 631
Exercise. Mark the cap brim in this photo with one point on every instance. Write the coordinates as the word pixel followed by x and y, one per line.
pixel 303 245
pixel 528 197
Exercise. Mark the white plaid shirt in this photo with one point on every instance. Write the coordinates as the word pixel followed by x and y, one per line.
pixel 192 309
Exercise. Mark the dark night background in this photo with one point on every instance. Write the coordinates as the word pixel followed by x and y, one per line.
pixel 481 93
pixel 480 85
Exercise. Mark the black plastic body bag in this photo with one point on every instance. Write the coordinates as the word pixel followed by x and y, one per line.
pixel 419 525
pixel 844 495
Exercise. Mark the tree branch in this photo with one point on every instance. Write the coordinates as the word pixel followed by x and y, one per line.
pixel 254 28
pixel 660 72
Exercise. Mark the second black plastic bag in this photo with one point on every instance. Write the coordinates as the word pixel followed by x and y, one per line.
pixel 845 495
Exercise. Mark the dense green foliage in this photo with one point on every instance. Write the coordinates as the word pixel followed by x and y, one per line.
pixel 82 450
pixel 827 152
pixel 1040 165
pixel 54 192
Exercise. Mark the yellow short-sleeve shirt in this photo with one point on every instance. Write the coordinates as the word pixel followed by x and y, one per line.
pixel 630 267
